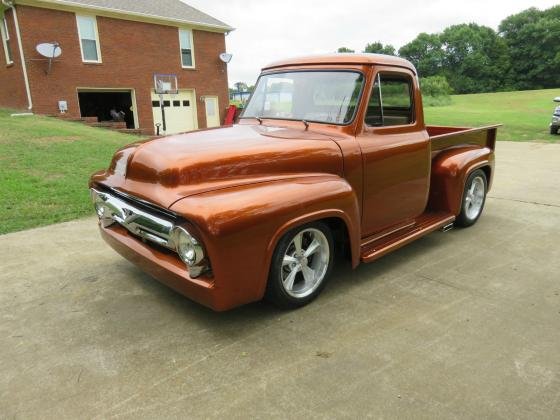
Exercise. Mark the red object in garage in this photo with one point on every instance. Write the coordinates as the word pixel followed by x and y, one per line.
pixel 230 115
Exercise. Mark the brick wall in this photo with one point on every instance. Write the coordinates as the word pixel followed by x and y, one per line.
pixel 131 53
pixel 12 85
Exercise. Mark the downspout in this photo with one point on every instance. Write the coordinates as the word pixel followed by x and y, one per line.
pixel 10 4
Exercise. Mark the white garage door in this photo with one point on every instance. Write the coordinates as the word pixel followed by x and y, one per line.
pixel 180 112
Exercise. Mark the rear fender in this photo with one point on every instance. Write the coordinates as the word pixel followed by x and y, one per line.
pixel 240 226
pixel 450 170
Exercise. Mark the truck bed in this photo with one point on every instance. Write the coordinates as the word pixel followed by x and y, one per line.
pixel 443 137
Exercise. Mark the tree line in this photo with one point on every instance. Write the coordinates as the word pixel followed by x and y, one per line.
pixel 523 54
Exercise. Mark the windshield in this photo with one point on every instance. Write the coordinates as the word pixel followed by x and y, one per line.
pixel 317 96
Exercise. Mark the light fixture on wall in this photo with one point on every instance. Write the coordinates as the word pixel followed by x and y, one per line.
pixel 225 57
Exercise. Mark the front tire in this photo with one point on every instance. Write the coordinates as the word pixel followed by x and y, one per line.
pixel 301 264
pixel 474 197
pixel 553 129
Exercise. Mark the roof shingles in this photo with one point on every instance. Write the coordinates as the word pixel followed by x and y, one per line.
pixel 174 10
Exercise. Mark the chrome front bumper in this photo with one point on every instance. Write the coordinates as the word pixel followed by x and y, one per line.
pixel 112 209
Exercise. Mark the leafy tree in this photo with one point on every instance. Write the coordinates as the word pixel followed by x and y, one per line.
pixel 533 39
pixel 240 86
pixel 345 50
pixel 476 59
pixel 426 53
pixel 379 48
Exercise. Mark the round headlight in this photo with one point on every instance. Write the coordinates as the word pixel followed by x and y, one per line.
pixel 187 247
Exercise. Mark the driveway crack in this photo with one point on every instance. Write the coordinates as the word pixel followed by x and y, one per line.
pixel 525 201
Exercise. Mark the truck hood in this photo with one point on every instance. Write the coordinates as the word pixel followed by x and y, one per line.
pixel 167 169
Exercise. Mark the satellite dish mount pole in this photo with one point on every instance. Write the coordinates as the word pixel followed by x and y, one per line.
pixel 51 58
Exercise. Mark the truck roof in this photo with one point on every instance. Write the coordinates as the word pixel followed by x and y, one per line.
pixel 344 58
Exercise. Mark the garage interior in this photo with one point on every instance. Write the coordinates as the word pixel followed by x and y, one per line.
pixel 100 103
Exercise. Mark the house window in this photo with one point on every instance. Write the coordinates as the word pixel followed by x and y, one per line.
pixel 186 43
pixel 89 39
pixel 6 41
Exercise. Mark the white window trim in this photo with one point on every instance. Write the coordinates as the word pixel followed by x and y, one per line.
pixel 5 39
pixel 97 43
pixel 192 48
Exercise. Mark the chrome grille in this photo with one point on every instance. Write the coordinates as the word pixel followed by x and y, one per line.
pixel 112 209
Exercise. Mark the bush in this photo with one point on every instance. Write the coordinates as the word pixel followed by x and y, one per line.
pixel 435 91
pixel 435 86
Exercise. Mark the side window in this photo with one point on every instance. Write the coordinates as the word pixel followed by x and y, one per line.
pixel 391 101
pixel 89 39
pixel 185 42
pixel 6 41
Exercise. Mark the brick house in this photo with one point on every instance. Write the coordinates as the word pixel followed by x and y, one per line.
pixel 111 50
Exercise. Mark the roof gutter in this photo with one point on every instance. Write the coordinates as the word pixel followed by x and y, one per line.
pixel 10 4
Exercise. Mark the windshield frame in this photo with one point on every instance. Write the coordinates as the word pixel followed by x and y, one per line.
pixel 283 71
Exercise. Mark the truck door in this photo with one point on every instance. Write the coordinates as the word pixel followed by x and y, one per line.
pixel 395 152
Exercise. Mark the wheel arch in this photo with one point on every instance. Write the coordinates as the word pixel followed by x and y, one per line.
pixel 341 226
pixel 450 171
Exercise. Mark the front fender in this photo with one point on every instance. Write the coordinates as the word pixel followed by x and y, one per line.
pixel 240 226
pixel 450 170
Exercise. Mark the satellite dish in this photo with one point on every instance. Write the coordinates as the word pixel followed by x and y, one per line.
pixel 225 57
pixel 49 50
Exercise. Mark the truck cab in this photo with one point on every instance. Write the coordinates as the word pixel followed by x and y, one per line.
pixel 332 152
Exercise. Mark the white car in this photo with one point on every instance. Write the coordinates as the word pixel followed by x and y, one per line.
pixel 555 123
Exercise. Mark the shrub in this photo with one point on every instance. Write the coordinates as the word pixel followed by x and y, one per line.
pixel 435 86
pixel 435 91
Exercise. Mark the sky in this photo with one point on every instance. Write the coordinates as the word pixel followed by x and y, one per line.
pixel 269 30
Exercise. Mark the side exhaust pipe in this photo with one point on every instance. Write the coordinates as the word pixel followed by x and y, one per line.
pixel 447 227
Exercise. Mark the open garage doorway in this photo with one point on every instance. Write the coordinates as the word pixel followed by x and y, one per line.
pixel 99 103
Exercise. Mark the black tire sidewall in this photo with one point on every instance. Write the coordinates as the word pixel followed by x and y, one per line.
pixel 275 291
pixel 462 219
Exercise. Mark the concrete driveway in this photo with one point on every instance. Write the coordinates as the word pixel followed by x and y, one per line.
pixel 462 324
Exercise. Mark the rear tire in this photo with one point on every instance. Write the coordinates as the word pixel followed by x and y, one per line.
pixel 474 197
pixel 553 129
pixel 301 264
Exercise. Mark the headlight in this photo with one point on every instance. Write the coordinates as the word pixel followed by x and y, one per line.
pixel 189 250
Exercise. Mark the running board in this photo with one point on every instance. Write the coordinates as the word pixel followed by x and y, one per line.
pixel 426 223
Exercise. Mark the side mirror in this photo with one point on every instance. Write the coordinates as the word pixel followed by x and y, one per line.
pixel 557 99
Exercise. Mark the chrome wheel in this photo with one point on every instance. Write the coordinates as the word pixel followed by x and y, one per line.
pixel 474 197
pixel 305 263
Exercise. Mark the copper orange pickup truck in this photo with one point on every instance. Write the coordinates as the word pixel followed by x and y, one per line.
pixel 330 154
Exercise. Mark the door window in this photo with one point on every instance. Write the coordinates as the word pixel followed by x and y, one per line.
pixel 391 101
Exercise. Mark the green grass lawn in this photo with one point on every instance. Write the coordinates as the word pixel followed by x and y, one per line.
pixel 525 115
pixel 45 165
